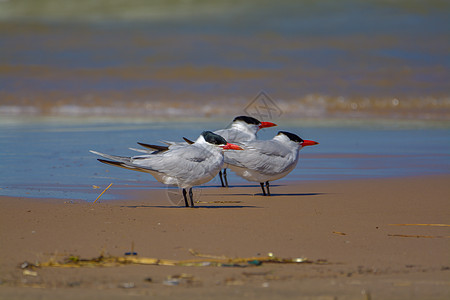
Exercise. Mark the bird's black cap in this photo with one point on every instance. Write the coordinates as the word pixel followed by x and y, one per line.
pixel 247 119
pixel 291 136
pixel 213 138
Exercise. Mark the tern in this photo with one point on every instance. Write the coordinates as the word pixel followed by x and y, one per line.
pixel 268 160
pixel 242 129
pixel 185 166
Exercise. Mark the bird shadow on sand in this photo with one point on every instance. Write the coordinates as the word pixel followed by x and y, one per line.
pixel 293 194
pixel 184 207
pixel 272 194
pixel 276 194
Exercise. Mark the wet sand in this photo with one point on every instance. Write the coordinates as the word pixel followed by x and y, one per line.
pixel 346 223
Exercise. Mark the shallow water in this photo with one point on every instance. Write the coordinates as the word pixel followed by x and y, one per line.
pixel 51 158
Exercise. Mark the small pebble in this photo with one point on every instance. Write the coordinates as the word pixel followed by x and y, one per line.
pixel 30 273
pixel 171 282
pixel 127 285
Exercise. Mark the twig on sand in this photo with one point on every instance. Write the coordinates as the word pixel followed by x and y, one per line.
pixel 421 236
pixel 103 192
pixel 441 225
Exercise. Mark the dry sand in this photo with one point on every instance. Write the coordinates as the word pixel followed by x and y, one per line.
pixel 346 223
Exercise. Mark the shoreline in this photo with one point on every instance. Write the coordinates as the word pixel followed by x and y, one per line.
pixel 346 223
pixel 378 121
pixel 125 192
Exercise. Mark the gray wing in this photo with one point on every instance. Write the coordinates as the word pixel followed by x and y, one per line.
pixel 180 162
pixel 262 156
pixel 123 159
pixel 234 136
pixel 154 147
pixel 119 161
pixel 143 150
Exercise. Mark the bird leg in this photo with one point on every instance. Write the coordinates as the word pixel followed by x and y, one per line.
pixel 225 176
pixel 185 198
pixel 221 180
pixel 267 187
pixel 191 197
pixel 262 187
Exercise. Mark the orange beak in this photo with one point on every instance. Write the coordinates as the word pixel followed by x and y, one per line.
pixel 266 124
pixel 309 143
pixel 229 146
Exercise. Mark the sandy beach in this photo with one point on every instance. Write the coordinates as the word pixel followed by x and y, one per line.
pixel 364 215
pixel 344 225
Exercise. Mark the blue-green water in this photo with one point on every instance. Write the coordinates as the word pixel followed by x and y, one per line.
pixel 51 159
